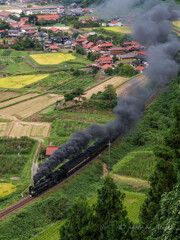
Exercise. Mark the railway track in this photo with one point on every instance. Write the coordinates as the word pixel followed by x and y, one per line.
pixel 25 201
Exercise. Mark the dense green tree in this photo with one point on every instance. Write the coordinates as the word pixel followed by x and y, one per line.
pixel 165 173
pixel 80 50
pixel 109 93
pixel 78 92
pixel 110 221
pixel 77 223
pixel 4 25
pixel 109 71
pixel 166 222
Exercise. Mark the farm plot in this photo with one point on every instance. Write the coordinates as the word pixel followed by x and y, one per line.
pixel 18 99
pixel 29 107
pixel 6 189
pixel 51 58
pixel 7 95
pixel 130 87
pixel 21 129
pixel 123 29
pixel 113 81
pixel 20 81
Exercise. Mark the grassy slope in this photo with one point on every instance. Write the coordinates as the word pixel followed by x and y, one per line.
pixel 26 178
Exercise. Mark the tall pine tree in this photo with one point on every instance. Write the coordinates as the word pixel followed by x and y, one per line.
pixel 165 173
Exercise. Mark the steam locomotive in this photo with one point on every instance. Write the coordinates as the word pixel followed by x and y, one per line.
pixel 68 168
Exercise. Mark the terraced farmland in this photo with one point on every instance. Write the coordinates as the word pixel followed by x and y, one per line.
pixel 18 99
pixel 20 81
pixel 113 81
pixel 7 95
pixel 133 84
pixel 25 109
pixel 29 129
pixel 51 58
pixel 123 29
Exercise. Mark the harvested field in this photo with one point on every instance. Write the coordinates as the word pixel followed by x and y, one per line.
pixel 20 81
pixel 29 129
pixel 52 58
pixel 7 95
pixel 18 99
pixel 29 107
pixel 115 81
pixel 129 87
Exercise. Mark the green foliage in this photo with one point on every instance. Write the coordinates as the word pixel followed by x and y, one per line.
pixel 110 214
pixel 165 175
pixel 166 222
pixel 77 92
pixel 9 148
pixel 76 226
pixel 109 96
pixel 94 56
pixel 123 70
pixel 107 221
pixel 136 164
pixel 80 50
pixel 4 25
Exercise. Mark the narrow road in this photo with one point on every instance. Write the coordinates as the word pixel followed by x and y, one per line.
pixel 34 167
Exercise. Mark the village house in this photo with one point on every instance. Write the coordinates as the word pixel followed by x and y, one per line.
pixel 117 51
pixel 50 150
pixel 115 24
pixel 104 60
pixel 43 10
pixel 14 34
pixel 54 48
pixel 105 47
pixel 49 17
pixel 105 67
pixel 128 56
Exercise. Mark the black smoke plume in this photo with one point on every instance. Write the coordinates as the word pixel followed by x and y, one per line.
pixel 153 28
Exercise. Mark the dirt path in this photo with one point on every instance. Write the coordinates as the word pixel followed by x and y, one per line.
pixel 113 81
pixel 130 87
pixel 34 167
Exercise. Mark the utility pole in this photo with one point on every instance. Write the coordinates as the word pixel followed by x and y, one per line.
pixel 19 154
pixel 109 144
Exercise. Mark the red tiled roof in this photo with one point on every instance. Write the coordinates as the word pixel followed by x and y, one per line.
pixel 89 45
pixel 141 52
pixel 106 66
pixel 96 48
pixel 81 40
pixel 114 22
pixel 48 17
pixel 140 68
pixel 53 47
pixel 22 21
pixel 106 45
pixel 50 150
pixel 1 31
pixel 25 26
pixel 55 29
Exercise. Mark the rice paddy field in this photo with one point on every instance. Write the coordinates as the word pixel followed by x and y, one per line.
pixel 28 129
pixel 123 29
pixel 176 23
pixel 115 81
pixel 6 189
pixel 7 95
pixel 18 99
pixel 52 58
pixel 20 81
pixel 27 108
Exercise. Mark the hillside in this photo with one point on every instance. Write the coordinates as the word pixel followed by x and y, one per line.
pixel 138 144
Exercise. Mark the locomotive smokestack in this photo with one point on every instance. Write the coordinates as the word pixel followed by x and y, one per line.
pixel 153 28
